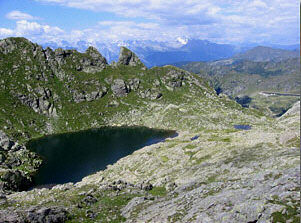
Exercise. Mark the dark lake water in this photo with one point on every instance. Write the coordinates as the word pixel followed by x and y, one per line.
pixel 72 156
pixel 242 127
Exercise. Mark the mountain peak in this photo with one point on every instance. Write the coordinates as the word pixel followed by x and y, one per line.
pixel 127 57
pixel 94 53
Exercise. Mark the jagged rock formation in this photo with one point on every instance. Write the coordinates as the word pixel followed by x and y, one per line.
pixel 5 143
pixel 127 57
pixel 40 101
pixel 94 95
pixel 10 178
pixel 119 88
pixel 95 63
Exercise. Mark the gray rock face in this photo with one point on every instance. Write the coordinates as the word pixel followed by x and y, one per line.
pixel 5 143
pixel 119 88
pixel 10 178
pixel 151 94
pixel 127 57
pixel 41 102
pixel 10 44
pixel 13 180
pixel 90 62
pixel 253 201
pixel 47 215
pixel 60 55
pixel 93 61
pixel 126 211
pixel 35 215
pixel 84 96
pixel 174 79
pixel 134 84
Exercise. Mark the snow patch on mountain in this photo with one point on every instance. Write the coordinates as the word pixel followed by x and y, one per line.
pixel 184 41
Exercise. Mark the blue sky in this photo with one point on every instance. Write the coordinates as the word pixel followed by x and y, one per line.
pixel 227 21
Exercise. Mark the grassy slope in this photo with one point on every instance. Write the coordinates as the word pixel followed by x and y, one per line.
pixel 193 109
pixel 195 95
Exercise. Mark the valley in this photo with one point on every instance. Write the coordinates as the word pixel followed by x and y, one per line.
pixel 227 163
pixel 245 76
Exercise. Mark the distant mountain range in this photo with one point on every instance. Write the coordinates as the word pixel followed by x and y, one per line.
pixel 262 54
pixel 155 53
pixel 245 75
pixel 264 61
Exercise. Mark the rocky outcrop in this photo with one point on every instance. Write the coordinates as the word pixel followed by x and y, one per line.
pixel 93 62
pixel 89 62
pixel 12 156
pixel 150 93
pixel 292 111
pixel 13 180
pixel 256 201
pixel 41 101
pixel 173 79
pixel 10 44
pixel 89 96
pixel 44 214
pixel 5 142
pixel 119 88
pixel 134 84
pixel 127 57
pixel 35 215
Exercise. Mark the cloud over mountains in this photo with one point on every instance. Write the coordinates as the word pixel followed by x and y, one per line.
pixel 228 21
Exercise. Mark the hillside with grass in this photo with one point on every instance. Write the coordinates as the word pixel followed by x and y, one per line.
pixel 209 171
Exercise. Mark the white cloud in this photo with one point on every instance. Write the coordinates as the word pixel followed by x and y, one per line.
pixel 258 3
pixel 33 28
pixel 6 32
pixel 231 20
pixel 17 15
pixel 227 21
pixel 34 31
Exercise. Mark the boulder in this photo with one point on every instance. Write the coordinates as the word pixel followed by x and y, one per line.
pixel 119 88
pixel 10 217
pixel 45 214
pixel 84 96
pixel 173 79
pixel 151 94
pixel 146 186
pixel 134 84
pixel 5 142
pixel 14 180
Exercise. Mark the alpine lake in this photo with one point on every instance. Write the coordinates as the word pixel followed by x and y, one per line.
pixel 71 156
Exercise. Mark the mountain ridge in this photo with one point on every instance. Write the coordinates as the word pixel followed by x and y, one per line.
pixel 264 54
pixel 208 171
pixel 168 52
pixel 246 76
pixel 45 91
